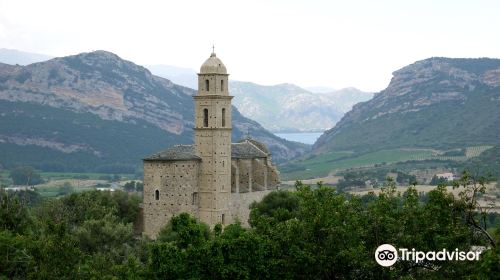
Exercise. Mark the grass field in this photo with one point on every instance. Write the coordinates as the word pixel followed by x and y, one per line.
pixel 55 181
pixel 91 176
pixel 326 164
pixel 55 186
pixel 56 190
pixel 69 175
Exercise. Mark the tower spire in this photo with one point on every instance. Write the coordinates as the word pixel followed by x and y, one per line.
pixel 213 51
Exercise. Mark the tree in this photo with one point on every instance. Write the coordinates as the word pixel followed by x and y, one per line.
pixel 435 181
pixel 15 261
pixel 139 186
pixel 65 189
pixel 475 214
pixel 129 186
pixel 25 175
pixel 184 230
pixel 14 214
pixel 310 233
pixel 103 235
pixel 278 205
pixel 116 178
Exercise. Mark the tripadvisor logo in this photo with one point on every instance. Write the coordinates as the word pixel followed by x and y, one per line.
pixel 387 255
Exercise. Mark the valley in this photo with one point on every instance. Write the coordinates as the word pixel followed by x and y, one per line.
pixel 427 120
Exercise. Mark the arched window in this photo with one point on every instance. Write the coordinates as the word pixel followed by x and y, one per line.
pixel 207 85
pixel 223 117
pixel 157 195
pixel 194 198
pixel 205 117
pixel 221 85
pixel 223 219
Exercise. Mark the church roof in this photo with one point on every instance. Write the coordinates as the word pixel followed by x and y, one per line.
pixel 246 149
pixel 258 144
pixel 243 149
pixel 177 152
pixel 213 65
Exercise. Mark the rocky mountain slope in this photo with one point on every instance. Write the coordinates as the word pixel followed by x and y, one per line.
pixel 97 111
pixel 288 108
pixel 279 108
pixel 439 103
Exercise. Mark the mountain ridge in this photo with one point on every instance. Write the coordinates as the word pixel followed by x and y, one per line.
pixel 452 95
pixel 294 109
pixel 99 89
pixel 289 108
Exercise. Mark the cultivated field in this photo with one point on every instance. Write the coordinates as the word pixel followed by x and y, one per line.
pixel 327 164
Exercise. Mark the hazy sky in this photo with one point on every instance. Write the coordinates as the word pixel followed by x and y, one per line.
pixel 309 43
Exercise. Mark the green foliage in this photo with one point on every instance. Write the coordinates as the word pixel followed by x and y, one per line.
pixel 372 178
pixel 25 175
pixel 100 235
pixel 133 186
pixel 109 146
pixel 330 235
pixel 122 142
pixel 66 188
pixel 444 125
pixel 323 164
pixel 487 162
pixel 309 233
pixel 278 206
pixel 139 186
pixel 129 186
pixel 14 214
pixel 349 181
pixel 97 204
pixel 318 165
pixel 184 230
pixel 15 262
pixel 80 236
pixel 27 197
pixel 435 181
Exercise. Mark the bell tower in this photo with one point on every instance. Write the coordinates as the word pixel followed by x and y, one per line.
pixel 213 142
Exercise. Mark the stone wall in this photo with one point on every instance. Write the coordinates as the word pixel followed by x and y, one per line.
pixel 259 174
pixel 244 179
pixel 273 176
pixel 240 203
pixel 170 188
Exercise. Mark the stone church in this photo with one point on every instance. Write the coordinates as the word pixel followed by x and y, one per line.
pixel 214 180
